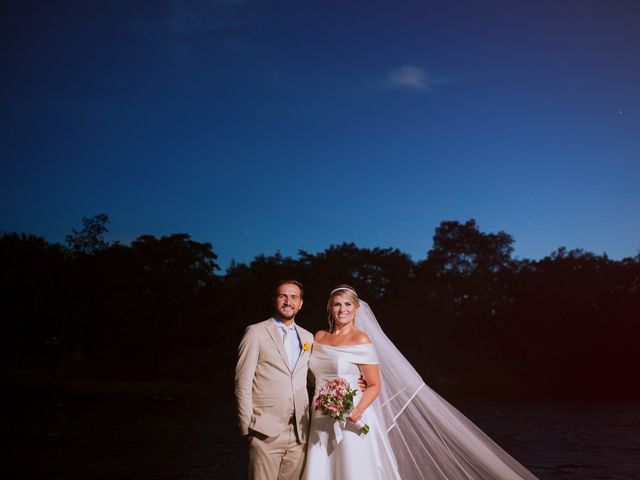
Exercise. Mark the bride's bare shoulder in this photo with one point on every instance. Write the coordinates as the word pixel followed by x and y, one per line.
pixel 359 337
pixel 320 334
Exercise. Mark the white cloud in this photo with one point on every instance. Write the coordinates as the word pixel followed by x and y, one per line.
pixel 414 78
pixel 407 76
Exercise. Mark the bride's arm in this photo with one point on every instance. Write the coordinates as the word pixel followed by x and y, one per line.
pixel 372 375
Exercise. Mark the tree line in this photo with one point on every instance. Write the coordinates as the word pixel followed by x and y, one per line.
pixel 470 316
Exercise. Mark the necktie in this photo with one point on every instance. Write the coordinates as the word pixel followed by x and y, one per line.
pixel 287 350
pixel 287 345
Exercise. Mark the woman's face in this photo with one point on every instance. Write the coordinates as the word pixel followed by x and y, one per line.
pixel 343 310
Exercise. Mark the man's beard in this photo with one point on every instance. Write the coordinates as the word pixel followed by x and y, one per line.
pixel 286 316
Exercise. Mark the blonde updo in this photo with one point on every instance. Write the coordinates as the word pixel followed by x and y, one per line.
pixel 345 291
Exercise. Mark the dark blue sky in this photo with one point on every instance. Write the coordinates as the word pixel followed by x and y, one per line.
pixel 260 126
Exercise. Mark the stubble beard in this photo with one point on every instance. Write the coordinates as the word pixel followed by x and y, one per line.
pixel 286 316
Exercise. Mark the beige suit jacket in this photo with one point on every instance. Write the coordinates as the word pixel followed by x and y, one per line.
pixel 265 386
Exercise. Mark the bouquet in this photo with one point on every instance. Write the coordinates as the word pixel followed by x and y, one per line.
pixel 336 400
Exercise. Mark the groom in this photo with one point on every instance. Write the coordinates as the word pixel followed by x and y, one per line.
pixel 271 388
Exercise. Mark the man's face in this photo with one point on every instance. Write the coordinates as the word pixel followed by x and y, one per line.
pixel 287 301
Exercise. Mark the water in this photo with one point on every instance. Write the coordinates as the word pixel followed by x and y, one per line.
pixel 72 436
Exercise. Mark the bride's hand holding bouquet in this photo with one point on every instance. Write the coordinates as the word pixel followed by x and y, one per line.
pixel 336 401
pixel 355 415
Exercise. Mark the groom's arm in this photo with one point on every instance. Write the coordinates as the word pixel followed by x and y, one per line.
pixel 248 353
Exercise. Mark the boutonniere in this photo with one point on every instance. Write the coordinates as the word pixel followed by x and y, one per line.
pixel 306 346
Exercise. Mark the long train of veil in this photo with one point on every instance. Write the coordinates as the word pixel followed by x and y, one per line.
pixel 429 437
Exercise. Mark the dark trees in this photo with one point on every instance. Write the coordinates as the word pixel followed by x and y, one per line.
pixel 577 321
pixel 33 299
pixel 467 316
pixel 138 305
pixel 91 238
pixel 463 283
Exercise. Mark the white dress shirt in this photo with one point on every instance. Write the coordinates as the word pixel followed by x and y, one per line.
pixel 291 340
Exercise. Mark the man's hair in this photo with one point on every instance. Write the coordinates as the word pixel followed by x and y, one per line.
pixel 288 281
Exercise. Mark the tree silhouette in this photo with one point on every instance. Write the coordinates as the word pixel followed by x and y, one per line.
pixel 467 316
pixel 461 249
pixel 32 282
pixel 465 278
pixel 90 239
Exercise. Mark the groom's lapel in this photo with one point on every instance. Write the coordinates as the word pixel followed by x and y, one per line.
pixel 277 339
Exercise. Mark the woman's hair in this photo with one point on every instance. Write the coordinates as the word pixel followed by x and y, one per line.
pixel 346 291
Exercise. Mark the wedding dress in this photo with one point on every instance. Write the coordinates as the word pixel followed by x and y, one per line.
pixel 338 450
pixel 414 433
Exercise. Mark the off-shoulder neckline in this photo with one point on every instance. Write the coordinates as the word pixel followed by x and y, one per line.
pixel 340 346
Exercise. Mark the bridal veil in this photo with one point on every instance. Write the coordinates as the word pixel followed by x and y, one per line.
pixel 429 437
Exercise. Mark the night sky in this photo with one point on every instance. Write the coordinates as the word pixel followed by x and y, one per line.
pixel 286 125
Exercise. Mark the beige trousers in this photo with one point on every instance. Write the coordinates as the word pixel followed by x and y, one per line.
pixel 276 458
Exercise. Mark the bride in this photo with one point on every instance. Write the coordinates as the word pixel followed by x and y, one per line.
pixel 413 432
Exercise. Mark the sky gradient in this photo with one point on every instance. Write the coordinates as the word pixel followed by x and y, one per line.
pixel 265 126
